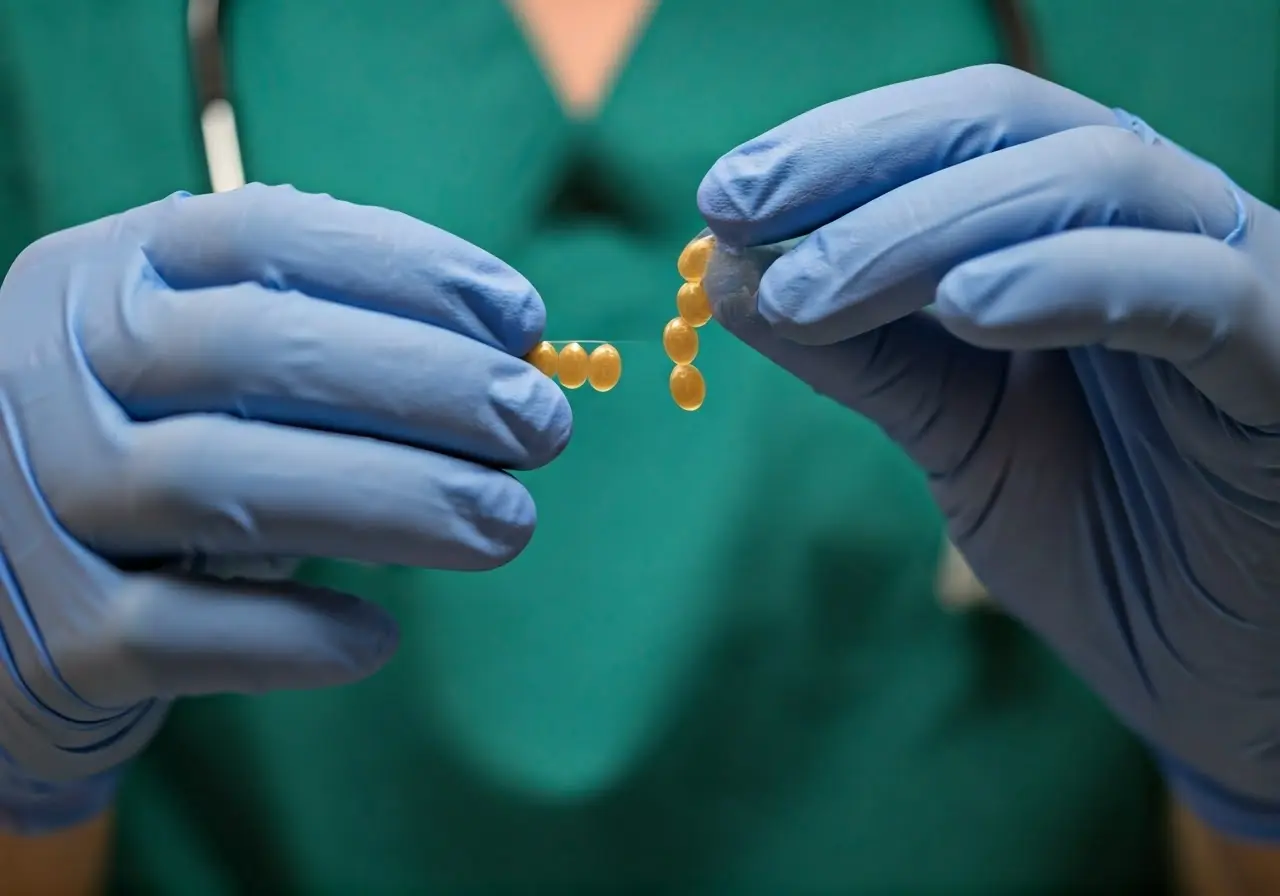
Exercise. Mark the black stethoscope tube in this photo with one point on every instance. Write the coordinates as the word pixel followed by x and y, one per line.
pixel 218 132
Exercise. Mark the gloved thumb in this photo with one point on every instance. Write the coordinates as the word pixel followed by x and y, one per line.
pixel 930 392
pixel 171 636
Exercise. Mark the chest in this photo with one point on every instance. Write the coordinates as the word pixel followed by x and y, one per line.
pixel 441 109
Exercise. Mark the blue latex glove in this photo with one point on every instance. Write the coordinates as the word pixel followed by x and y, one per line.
pixel 1095 395
pixel 253 374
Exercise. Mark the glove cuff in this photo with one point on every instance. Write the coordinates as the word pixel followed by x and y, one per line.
pixel 32 808
pixel 1238 817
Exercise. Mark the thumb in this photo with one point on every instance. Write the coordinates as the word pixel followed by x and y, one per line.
pixel 933 394
pixel 180 636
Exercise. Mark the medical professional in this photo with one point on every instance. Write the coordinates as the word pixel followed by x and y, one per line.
pixel 712 658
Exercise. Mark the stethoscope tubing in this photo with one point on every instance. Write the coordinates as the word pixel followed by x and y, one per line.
pixel 218 131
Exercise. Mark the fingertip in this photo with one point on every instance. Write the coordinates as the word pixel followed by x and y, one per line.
pixel 536 412
pixel 767 285
pixel 972 287
pixel 967 302
pixel 724 201
pixel 559 429
pixel 959 286
pixel 527 317
pixel 508 527
pixel 732 281
pixel 507 307
pixel 795 300
pixel 489 516
pixel 360 636
pixel 377 638
pixel 347 638
pixel 745 197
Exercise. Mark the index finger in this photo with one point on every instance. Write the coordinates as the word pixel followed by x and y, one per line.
pixel 358 255
pixel 825 163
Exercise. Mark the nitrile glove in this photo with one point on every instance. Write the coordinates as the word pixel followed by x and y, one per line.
pixel 255 374
pixel 1095 394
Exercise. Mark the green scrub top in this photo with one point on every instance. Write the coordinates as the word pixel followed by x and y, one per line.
pixel 720 667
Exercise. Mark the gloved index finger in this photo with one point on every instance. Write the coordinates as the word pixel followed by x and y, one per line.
pixel 338 251
pixel 818 166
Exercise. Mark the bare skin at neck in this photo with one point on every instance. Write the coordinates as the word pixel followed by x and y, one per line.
pixel 582 44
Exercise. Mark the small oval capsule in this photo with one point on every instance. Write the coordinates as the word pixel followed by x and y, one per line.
pixel 692 263
pixel 574 365
pixel 688 388
pixel 605 368
pixel 544 357
pixel 680 340
pixel 693 304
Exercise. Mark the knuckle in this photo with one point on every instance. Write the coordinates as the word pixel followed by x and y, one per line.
pixel 141 341
pixel 281 202
pixel 1007 84
pixel 159 215
pixel 87 664
pixel 213 239
pixel 83 505
pixel 128 617
pixel 62 251
pixel 83 496
pixel 35 256
pixel 1243 288
pixel 162 477
pixel 251 195
pixel 1115 155
pixel 1002 75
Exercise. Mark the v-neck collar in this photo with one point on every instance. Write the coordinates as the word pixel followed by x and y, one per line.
pixel 579 105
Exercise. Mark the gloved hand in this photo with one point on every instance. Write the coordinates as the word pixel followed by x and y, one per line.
pixel 1095 394
pixel 253 374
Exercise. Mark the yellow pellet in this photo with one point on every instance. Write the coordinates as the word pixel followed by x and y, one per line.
pixel 605 368
pixel 693 304
pixel 544 357
pixel 680 340
pixel 574 365
pixel 688 388
pixel 692 263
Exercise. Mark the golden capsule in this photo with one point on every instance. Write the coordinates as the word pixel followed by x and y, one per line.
pixel 692 263
pixel 693 304
pixel 574 365
pixel 688 388
pixel 605 368
pixel 544 357
pixel 680 340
